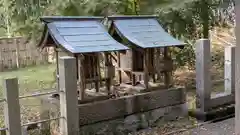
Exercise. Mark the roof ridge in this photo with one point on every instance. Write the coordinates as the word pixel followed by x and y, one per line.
pixel 49 19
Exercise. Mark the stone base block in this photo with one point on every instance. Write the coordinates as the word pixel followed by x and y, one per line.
pixel 214 114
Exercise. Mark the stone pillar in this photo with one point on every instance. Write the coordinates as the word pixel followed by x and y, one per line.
pixel 229 70
pixel 12 107
pixel 69 124
pixel 237 69
pixel 203 75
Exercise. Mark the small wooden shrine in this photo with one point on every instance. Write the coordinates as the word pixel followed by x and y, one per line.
pixel 149 48
pixel 86 39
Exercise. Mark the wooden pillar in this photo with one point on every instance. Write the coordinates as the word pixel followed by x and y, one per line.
pixel 99 69
pixel 69 124
pixel 133 78
pixel 167 75
pixel 96 73
pixel 203 75
pixel 146 65
pixel 57 70
pixel 237 69
pixel 152 60
pixel 229 69
pixel 119 66
pixel 108 79
pixel 12 107
pixel 157 63
pixel 81 77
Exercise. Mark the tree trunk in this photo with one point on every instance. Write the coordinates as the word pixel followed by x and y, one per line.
pixel 205 18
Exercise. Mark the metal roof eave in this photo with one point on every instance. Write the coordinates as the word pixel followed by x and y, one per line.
pixel 181 46
pixel 102 51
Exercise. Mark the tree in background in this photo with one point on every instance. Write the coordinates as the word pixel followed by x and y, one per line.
pixel 187 20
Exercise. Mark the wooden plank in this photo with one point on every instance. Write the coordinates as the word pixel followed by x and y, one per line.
pixel 12 107
pixel 237 69
pixel 123 106
pixel 69 124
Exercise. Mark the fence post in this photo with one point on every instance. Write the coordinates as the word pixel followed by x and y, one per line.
pixel 12 107
pixel 69 124
pixel 203 75
pixel 237 68
pixel 229 69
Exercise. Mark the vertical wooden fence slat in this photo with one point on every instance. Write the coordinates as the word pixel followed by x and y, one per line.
pixel 12 107
pixel 69 124
pixel 229 70
pixel 203 75
pixel 17 52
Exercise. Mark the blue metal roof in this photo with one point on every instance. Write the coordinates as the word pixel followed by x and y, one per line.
pixel 82 36
pixel 145 31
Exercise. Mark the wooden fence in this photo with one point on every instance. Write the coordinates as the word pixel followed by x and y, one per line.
pixel 17 52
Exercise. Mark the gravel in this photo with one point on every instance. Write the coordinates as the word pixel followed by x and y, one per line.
pixel 225 127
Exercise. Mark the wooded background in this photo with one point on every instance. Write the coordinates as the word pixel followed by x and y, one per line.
pixel 186 20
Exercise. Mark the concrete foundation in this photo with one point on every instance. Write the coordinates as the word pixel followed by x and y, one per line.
pixel 124 106
pixel 129 113
pixel 132 123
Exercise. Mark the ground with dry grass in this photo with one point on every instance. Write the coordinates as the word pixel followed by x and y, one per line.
pixel 31 80
pixel 34 78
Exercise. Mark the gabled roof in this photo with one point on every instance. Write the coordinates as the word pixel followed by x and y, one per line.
pixel 143 31
pixel 79 34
